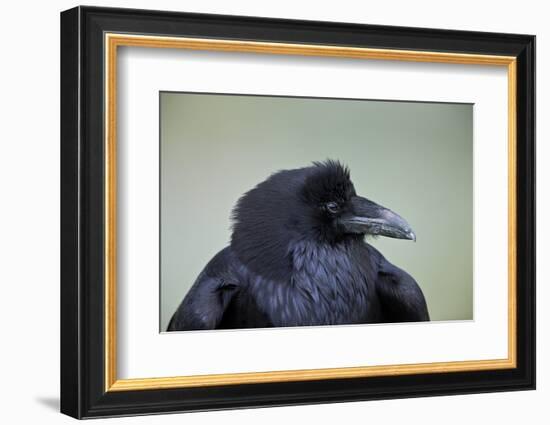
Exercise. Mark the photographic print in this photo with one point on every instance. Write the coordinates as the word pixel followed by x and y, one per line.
pixel 260 212
pixel 300 211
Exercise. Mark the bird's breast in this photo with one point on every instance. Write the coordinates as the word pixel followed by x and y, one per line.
pixel 328 285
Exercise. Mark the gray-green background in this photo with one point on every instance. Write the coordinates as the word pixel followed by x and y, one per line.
pixel 414 158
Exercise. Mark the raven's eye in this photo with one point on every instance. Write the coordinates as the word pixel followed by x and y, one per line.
pixel 332 207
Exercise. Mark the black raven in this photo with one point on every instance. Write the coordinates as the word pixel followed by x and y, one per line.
pixel 298 257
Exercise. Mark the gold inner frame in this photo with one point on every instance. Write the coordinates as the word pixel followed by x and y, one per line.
pixel 113 41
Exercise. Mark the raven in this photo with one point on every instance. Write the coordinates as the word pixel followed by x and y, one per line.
pixel 298 257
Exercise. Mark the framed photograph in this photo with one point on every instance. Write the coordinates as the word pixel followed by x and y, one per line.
pixel 261 212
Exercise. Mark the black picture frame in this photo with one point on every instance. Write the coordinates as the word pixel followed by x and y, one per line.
pixel 83 392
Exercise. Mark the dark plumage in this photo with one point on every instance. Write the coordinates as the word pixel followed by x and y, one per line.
pixel 298 257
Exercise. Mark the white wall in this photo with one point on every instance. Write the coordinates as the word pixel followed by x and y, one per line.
pixel 29 225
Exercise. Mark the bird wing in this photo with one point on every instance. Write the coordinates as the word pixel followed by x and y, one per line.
pixel 401 299
pixel 205 303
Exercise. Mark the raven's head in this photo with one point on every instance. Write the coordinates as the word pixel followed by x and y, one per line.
pixel 316 203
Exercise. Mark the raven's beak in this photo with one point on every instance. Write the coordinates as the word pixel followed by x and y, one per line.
pixel 370 218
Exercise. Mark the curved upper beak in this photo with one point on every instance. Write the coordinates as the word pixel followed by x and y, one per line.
pixel 373 219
